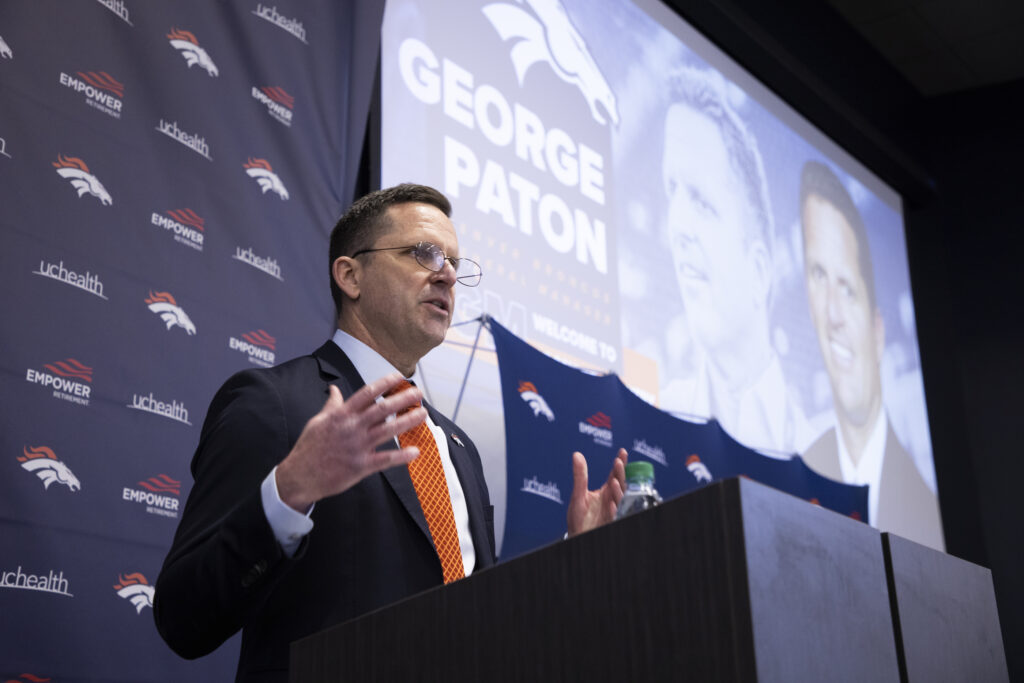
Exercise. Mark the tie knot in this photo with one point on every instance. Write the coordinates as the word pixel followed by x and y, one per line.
pixel 399 388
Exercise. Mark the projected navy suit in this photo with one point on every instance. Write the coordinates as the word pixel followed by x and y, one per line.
pixel 369 547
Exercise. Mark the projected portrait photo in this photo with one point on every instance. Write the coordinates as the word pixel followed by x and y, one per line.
pixel 720 231
pixel 862 448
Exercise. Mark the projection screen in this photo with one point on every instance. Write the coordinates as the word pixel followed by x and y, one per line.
pixel 640 204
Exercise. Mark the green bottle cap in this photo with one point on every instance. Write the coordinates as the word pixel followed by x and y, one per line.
pixel 640 470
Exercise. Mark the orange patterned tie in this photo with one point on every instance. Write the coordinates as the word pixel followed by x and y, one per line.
pixel 432 490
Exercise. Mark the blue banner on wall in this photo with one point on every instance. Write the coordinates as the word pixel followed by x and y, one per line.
pixel 169 175
pixel 552 409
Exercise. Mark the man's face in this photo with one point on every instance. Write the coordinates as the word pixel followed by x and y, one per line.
pixel 850 332
pixel 405 308
pixel 706 215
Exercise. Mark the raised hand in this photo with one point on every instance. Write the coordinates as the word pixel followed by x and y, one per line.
pixel 590 509
pixel 337 447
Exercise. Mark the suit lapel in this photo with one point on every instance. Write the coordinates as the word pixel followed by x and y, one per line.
pixel 339 371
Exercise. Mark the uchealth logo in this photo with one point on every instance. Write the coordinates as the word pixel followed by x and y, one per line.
pixel 172 410
pixel 118 8
pixel 43 462
pixel 194 141
pixel 159 494
pixel 549 490
pixel 263 263
pixel 698 469
pixel 101 90
pixel 69 379
pixel 186 225
pixel 279 103
pixel 75 170
pixel 185 42
pixel 5 50
pixel 261 170
pixel 173 315
pixel 528 392
pixel 598 426
pixel 135 588
pixel 655 453
pixel 545 34
pixel 289 24
pixel 258 345
pixel 52 582
pixel 86 281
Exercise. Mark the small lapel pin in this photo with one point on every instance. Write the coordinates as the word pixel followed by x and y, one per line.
pixel 457 440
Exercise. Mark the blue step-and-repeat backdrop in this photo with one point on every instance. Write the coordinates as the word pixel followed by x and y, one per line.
pixel 552 409
pixel 169 174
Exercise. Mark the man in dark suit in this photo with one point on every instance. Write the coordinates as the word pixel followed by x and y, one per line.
pixel 304 513
pixel 862 448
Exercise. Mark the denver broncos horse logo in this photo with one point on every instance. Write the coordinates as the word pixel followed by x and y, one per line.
pixel 164 305
pixel 5 50
pixel 75 170
pixel 698 469
pixel 136 589
pixel 261 170
pixel 44 463
pixel 186 42
pixel 547 35
pixel 528 392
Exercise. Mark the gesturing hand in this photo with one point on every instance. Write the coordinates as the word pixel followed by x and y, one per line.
pixel 336 449
pixel 590 509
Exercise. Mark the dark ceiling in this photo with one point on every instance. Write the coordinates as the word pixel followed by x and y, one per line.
pixel 944 46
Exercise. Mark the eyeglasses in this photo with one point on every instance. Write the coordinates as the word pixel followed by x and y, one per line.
pixel 432 257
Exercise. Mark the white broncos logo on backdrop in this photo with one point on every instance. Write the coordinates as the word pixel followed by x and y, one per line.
pixel 5 49
pixel 164 305
pixel 528 392
pixel 44 463
pixel 547 35
pixel 264 174
pixel 190 50
pixel 135 589
pixel 75 170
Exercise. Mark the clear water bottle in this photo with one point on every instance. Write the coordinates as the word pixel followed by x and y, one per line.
pixel 640 491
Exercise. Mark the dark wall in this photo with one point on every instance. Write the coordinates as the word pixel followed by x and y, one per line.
pixel 956 159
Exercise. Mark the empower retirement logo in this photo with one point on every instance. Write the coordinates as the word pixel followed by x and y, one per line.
pixel 159 495
pixel 69 379
pixel 257 345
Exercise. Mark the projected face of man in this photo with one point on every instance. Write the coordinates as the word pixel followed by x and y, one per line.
pixel 850 331
pixel 716 266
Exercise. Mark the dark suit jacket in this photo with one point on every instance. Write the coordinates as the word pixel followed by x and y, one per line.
pixel 369 546
pixel 906 506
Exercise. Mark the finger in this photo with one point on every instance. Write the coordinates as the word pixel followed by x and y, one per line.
pixel 387 431
pixel 396 403
pixel 333 395
pixel 579 473
pixel 382 460
pixel 367 395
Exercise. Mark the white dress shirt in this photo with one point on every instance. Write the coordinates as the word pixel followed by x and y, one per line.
pixel 290 526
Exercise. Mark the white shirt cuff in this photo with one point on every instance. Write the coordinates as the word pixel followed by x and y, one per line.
pixel 289 526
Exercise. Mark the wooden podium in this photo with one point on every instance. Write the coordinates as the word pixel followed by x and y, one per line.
pixel 732 582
